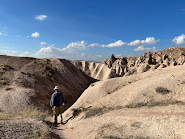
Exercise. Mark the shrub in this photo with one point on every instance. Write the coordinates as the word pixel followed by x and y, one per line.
pixel 93 112
pixel 5 66
pixel 44 67
pixel 136 105
pixel 136 124
pixel 162 90
pixel 3 81
pixel 111 137
pixel 7 88
pixel 97 111
pixel 155 103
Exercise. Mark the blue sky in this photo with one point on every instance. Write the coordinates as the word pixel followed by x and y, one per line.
pixel 90 29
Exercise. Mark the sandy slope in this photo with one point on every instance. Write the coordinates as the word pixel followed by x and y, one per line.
pixel 146 105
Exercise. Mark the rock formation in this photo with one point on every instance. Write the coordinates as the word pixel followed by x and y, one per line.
pixel 148 61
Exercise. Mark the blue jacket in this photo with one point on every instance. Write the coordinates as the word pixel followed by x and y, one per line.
pixel 57 99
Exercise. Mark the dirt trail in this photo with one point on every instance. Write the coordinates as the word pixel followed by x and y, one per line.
pixel 63 131
pixel 168 114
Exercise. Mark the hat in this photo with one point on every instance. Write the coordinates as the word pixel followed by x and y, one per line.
pixel 56 88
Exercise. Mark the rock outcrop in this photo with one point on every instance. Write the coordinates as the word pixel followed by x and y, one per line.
pixel 148 61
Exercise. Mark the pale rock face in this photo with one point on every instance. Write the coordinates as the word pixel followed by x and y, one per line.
pixel 166 62
pixel 143 68
pixel 131 71
pixel 169 57
pixel 158 59
pixel 181 60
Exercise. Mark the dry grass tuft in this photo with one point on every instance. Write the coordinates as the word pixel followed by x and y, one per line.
pixel 157 103
pixel 111 137
pixel 7 88
pixel 6 67
pixel 162 90
pixel 183 82
pixel 35 114
pixel 97 111
pixel 45 68
pixel 5 116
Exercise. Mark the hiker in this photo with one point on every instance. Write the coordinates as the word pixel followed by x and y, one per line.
pixel 57 102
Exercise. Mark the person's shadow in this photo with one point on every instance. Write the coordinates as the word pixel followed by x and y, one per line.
pixel 70 118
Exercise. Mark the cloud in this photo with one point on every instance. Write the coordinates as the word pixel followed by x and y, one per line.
pixel 76 50
pixel 49 51
pixel 179 40
pixel 8 52
pixel 41 17
pixel 147 41
pixel 53 52
pixel 5 34
pixel 26 54
pixel 81 45
pixel 142 48
pixel 119 55
pixel 35 35
pixel 119 43
pixel 14 53
pixel 43 43
pixel 94 45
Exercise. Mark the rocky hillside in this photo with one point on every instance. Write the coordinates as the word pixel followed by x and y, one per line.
pixel 124 66
pixel 148 105
pixel 29 82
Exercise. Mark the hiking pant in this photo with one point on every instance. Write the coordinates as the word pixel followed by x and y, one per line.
pixel 57 111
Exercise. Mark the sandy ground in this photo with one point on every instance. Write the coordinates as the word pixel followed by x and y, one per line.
pixel 62 130
pixel 166 122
